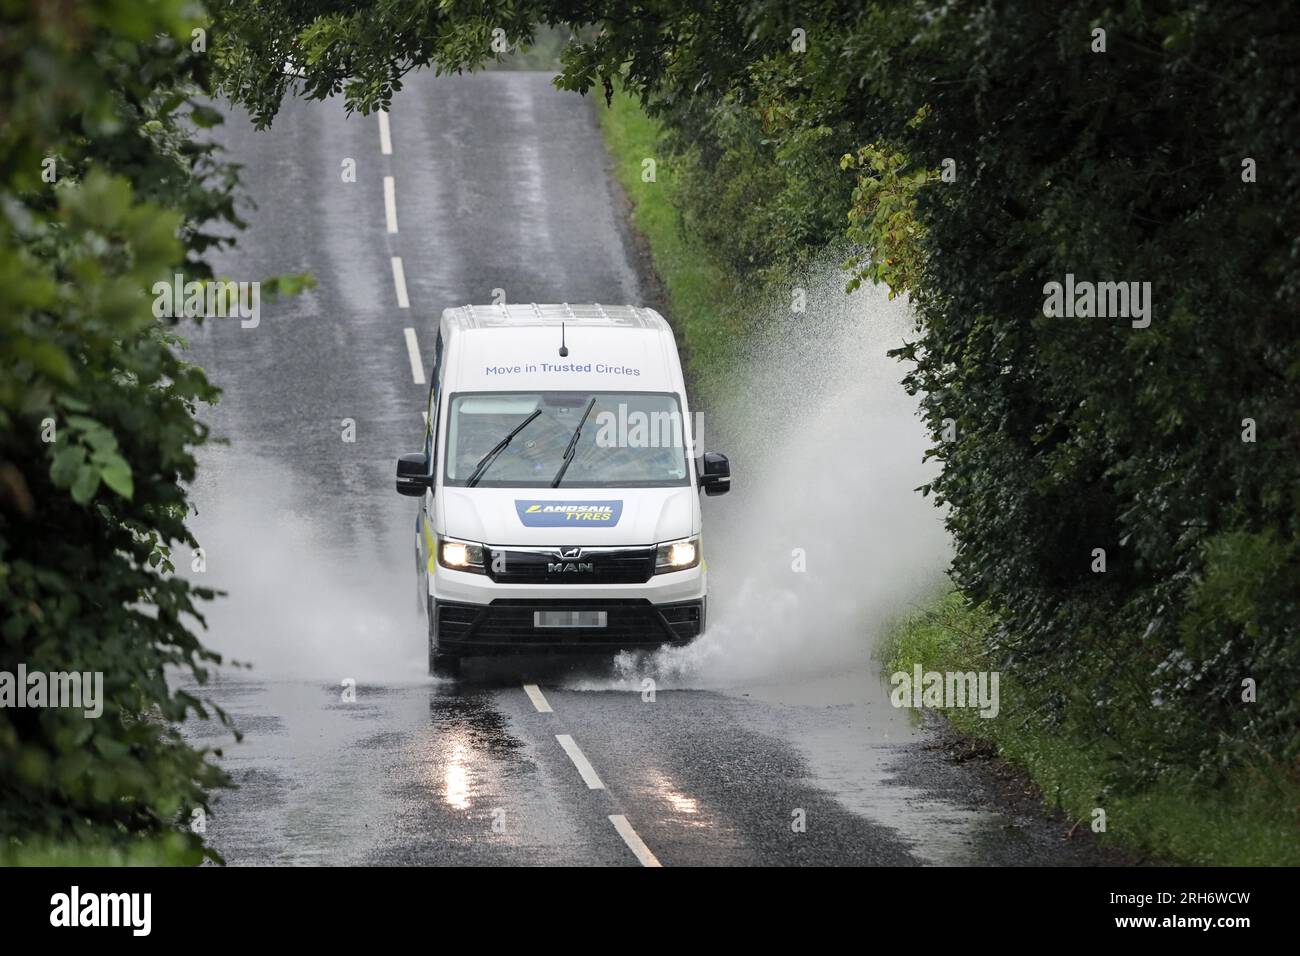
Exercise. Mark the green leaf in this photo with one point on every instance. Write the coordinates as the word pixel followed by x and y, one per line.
pixel 205 117
pixel 67 462
pixel 102 441
pixel 111 749
pixel 87 483
pixel 117 475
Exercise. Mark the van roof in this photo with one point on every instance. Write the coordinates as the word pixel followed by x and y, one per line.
pixel 535 314
pixel 508 347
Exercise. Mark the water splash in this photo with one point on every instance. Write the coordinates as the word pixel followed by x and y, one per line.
pixel 306 600
pixel 826 451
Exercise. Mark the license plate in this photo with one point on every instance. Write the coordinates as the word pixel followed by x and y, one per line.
pixel 569 618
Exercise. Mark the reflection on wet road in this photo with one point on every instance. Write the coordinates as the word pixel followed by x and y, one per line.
pixel 471 773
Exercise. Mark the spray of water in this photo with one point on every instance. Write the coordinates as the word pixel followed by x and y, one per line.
pixel 305 600
pixel 823 539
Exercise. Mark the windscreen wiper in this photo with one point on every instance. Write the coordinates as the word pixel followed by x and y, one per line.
pixel 486 461
pixel 573 443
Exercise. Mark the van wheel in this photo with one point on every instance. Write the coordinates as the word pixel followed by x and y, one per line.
pixel 440 664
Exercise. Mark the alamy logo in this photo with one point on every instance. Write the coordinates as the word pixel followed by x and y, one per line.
pixel 946 690
pixel 103 909
pixel 1102 300
pixel 208 300
pixel 635 428
pixel 74 690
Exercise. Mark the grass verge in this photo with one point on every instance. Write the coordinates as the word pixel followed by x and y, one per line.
pixel 695 288
pixel 1250 821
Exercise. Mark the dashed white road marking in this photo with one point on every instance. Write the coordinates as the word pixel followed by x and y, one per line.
pixel 390 203
pixel 538 698
pixel 399 282
pixel 413 352
pixel 385 137
pixel 585 769
pixel 634 841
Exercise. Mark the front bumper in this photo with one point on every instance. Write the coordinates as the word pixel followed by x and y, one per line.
pixel 506 624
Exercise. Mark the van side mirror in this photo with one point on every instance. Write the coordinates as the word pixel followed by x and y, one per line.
pixel 715 473
pixel 413 474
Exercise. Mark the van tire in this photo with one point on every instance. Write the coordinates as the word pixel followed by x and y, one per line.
pixel 440 664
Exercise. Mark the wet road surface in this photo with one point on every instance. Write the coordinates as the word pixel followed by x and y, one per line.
pixel 351 754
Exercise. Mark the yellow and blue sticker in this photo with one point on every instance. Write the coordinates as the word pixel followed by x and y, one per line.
pixel 554 514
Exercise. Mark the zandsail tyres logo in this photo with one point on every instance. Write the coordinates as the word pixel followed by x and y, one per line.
pixel 553 514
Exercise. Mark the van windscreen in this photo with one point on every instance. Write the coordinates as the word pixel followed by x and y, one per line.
pixel 629 439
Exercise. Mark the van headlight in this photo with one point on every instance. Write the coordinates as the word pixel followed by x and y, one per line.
pixel 460 555
pixel 677 555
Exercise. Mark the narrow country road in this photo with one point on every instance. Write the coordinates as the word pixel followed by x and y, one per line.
pixel 474 188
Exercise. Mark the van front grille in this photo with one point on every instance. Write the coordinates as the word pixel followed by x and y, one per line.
pixel 589 566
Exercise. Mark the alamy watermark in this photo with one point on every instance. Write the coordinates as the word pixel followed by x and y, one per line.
pixel 634 428
pixel 130 910
pixel 209 300
pixel 945 690
pixel 1083 299
pixel 76 690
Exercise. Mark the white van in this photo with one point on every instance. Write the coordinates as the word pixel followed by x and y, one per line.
pixel 559 491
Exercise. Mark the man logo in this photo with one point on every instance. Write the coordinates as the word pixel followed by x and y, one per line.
pixel 569 562
pixel 567 567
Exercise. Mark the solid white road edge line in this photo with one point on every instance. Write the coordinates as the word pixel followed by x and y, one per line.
pixel 385 137
pixel 390 203
pixel 634 841
pixel 585 769
pixel 413 352
pixel 399 283
pixel 538 698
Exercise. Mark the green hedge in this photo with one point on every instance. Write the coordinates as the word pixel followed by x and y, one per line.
pixel 996 151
